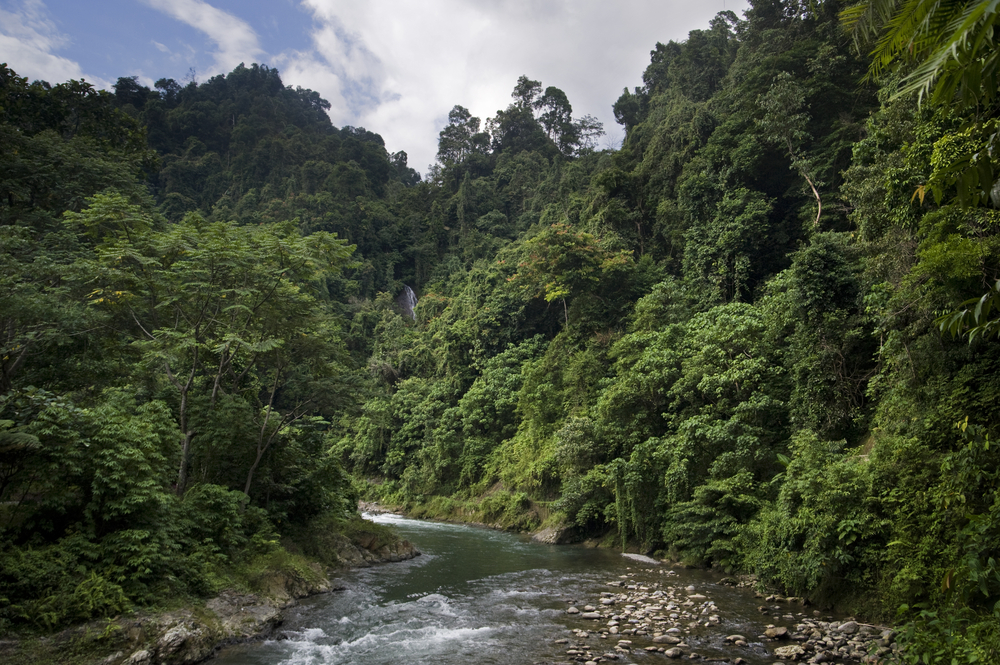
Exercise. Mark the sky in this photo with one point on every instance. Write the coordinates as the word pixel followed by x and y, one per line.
pixel 395 67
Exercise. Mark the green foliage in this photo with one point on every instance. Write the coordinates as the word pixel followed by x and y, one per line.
pixel 820 530
pixel 973 320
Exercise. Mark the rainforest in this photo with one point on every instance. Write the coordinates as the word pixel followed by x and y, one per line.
pixel 760 335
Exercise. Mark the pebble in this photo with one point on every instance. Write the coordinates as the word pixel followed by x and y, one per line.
pixel 658 616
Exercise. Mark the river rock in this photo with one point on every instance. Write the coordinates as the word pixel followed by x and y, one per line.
pixel 673 653
pixel 848 628
pixel 735 638
pixel 572 610
pixel 792 651
pixel 666 639
pixel 590 615
pixel 642 558
pixel 776 633
pixel 173 641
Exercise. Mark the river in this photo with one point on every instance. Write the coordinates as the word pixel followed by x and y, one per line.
pixel 477 595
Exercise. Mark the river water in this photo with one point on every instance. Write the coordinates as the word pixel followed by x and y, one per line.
pixel 477 595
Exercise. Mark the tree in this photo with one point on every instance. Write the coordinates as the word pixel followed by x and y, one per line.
pixel 784 123
pixel 210 305
pixel 460 138
pixel 563 261
pixel 525 92
pixel 953 43
pixel 588 130
pixel 557 118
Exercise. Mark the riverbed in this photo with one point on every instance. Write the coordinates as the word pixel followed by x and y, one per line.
pixel 478 595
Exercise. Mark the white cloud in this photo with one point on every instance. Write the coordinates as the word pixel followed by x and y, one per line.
pixel 236 41
pixel 28 39
pixel 397 67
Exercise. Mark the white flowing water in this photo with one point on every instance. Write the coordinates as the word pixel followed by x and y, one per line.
pixel 481 596
pixel 407 301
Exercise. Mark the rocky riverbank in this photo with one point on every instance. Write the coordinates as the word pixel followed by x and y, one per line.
pixel 195 633
pixel 647 613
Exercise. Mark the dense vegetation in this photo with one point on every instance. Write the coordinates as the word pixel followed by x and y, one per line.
pixel 723 342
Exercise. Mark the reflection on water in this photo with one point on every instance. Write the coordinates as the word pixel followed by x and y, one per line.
pixel 475 595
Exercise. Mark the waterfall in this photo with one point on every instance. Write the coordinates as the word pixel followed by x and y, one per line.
pixel 407 301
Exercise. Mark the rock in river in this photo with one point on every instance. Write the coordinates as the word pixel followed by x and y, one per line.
pixel 792 651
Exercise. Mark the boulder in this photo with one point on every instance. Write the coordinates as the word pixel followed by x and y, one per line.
pixel 848 628
pixel 792 651
pixel 666 639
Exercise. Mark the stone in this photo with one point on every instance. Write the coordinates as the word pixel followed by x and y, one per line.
pixel 590 615
pixel 572 610
pixel 776 633
pixel 673 653
pixel 848 628
pixel 666 639
pixel 557 535
pixel 173 640
pixel 140 658
pixel 792 651
pixel 697 597
pixel 736 638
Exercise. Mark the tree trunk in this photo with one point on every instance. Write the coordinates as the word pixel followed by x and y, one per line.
pixel 185 461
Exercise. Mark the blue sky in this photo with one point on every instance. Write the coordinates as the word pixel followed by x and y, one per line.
pixel 395 67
